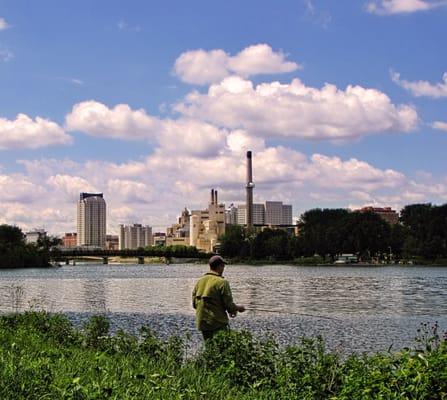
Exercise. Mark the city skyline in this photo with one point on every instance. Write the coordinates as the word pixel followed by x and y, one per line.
pixel 343 105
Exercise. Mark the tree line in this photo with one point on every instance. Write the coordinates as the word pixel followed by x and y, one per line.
pixel 16 253
pixel 420 234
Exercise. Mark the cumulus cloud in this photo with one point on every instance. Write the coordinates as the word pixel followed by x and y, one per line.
pixel 17 188
pixel 422 88
pixel 70 185
pixel 154 190
pixel 120 121
pixel 391 7
pixel 130 191
pixel 183 135
pixel 440 125
pixel 202 67
pixel 26 133
pixel 3 24
pixel 297 111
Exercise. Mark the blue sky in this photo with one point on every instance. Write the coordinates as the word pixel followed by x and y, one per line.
pixel 154 103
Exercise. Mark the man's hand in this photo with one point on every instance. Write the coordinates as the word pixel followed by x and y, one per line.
pixel 238 309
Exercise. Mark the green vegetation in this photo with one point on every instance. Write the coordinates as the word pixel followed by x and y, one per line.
pixel 421 235
pixel 44 357
pixel 15 253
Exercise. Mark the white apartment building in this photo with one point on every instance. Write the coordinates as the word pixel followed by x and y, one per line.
pixel 91 221
pixel 258 214
pixel 35 235
pixel 134 236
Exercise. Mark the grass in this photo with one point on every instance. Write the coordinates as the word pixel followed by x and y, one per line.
pixel 43 356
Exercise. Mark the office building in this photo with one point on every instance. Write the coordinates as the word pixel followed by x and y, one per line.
pixel 91 221
pixel 257 213
pixel 134 236
pixel 277 213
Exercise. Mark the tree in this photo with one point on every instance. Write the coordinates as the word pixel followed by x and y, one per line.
pixel 234 242
pixel 11 236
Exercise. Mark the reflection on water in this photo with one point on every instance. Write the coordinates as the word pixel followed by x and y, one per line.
pixel 354 308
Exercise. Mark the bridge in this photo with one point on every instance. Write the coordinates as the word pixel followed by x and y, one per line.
pixel 168 253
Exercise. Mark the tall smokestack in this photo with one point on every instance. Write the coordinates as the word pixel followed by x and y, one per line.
pixel 212 196
pixel 215 197
pixel 249 188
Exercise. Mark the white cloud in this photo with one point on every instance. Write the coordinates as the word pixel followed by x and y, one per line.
pixel 130 191
pixel 297 111
pixel 391 7
pixel 154 190
pixel 3 24
pixel 190 137
pixel 26 133
pixel 17 188
pixel 202 67
pixel 440 125
pixel 121 121
pixel 183 135
pixel 70 185
pixel 422 88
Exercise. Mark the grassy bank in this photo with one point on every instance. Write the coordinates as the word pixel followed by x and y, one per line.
pixel 44 357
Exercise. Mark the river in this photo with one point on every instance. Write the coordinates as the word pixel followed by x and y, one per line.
pixel 353 308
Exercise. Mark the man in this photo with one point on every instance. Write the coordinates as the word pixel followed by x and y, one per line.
pixel 213 301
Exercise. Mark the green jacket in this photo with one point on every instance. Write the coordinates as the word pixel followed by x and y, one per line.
pixel 212 299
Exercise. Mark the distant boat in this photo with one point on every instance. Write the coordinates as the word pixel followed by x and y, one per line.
pixel 346 259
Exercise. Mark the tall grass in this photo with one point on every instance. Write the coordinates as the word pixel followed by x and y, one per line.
pixel 43 356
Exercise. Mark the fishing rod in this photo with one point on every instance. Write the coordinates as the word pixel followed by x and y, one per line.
pixel 291 312
pixel 254 309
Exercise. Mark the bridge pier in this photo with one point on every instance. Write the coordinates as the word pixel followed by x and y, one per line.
pixel 105 260
pixel 140 259
pixel 67 261
pixel 74 262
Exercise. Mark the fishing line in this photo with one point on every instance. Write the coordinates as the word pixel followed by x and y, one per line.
pixel 291 312
pixel 254 309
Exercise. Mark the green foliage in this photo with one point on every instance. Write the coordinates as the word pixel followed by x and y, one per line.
pixel 421 234
pixel 15 253
pixel 427 231
pixel 44 357
pixel 241 359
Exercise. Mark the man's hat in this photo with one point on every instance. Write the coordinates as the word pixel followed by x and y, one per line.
pixel 215 261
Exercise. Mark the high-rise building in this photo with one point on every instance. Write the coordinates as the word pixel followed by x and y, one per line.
pixel 231 215
pixel 91 221
pixel 277 213
pixel 134 236
pixel 286 217
pixel 257 212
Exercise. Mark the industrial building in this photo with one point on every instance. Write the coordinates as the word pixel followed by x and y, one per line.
pixel 207 225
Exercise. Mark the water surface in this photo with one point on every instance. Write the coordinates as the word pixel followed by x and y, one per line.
pixel 353 308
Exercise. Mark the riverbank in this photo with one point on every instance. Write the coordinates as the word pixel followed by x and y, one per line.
pixel 44 356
